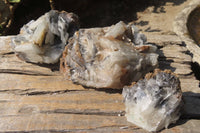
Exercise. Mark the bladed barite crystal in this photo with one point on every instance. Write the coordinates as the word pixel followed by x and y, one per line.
pixel 108 57
pixel 154 102
pixel 43 40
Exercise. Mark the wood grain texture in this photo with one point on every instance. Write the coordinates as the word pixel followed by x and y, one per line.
pixel 37 98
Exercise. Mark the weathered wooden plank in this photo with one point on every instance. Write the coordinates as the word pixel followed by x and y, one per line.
pixel 10 62
pixel 36 83
pixel 181 68
pixel 190 85
pixel 88 110
pixel 175 55
pixel 180 26
pixel 172 59
pixel 93 102
pixel 81 123
pixel 60 122
pixel 174 48
pixel 178 68
pixel 163 40
pixel 77 102
pixel 37 97
pixel 4 45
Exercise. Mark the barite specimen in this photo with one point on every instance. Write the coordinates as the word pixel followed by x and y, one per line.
pixel 43 40
pixel 154 102
pixel 108 57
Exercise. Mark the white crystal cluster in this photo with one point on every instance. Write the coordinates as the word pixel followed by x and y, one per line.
pixel 43 40
pixel 108 57
pixel 154 102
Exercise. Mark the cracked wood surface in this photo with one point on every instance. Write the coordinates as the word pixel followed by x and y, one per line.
pixel 37 98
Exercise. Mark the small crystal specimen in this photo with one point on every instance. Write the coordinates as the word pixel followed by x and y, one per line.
pixel 154 102
pixel 43 40
pixel 108 57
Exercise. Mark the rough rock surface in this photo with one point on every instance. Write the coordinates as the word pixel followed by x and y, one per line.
pixel 154 102
pixel 43 40
pixel 108 57
pixel 182 20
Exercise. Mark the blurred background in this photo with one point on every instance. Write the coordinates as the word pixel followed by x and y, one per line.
pixel 92 13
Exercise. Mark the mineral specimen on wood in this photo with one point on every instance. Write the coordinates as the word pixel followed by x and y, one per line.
pixel 43 40
pixel 108 57
pixel 154 102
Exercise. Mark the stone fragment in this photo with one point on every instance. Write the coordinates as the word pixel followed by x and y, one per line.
pixel 186 21
pixel 154 102
pixel 108 57
pixel 43 40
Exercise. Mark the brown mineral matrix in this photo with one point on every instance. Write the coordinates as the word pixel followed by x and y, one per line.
pixel 108 57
